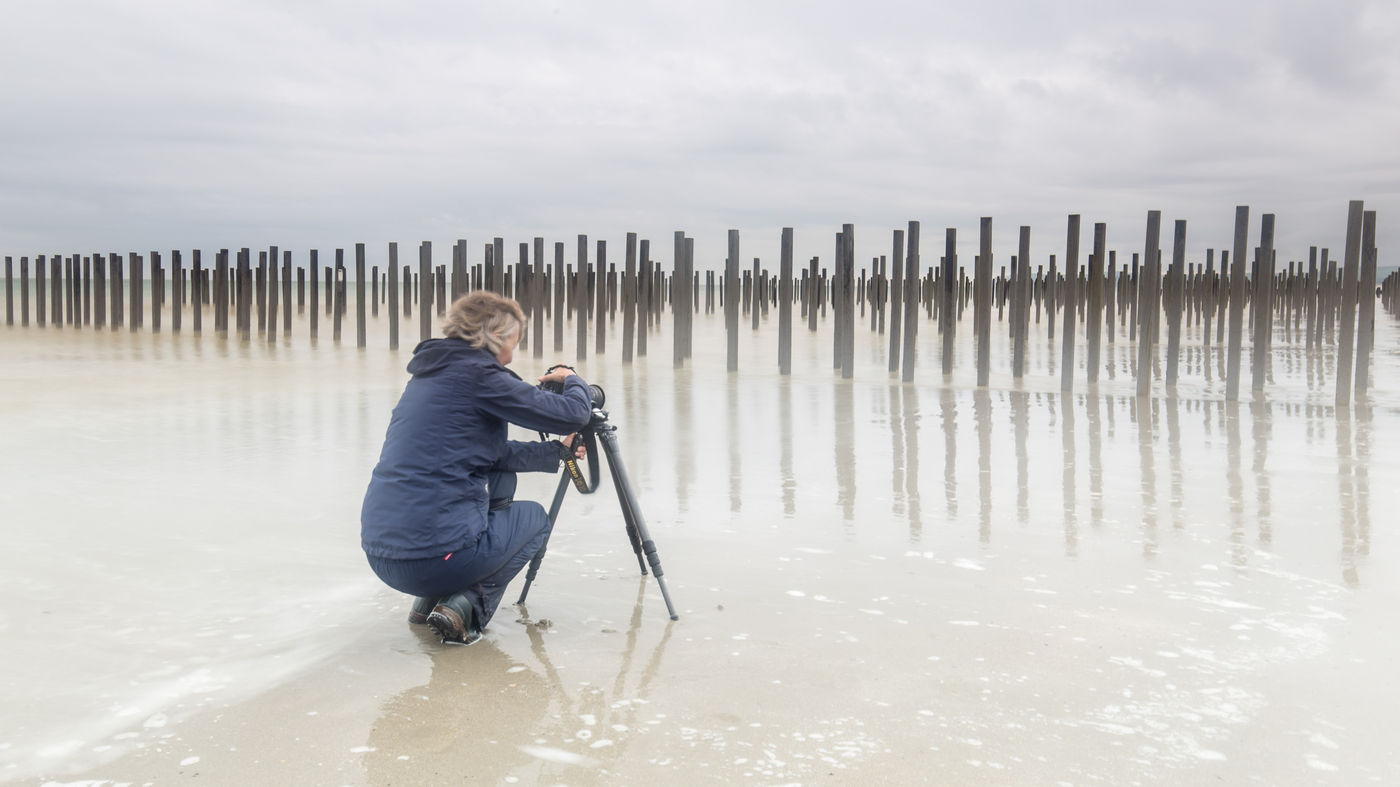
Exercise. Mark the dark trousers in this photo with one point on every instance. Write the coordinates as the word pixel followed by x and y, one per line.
pixel 514 533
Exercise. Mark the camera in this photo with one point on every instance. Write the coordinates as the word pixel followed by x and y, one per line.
pixel 595 393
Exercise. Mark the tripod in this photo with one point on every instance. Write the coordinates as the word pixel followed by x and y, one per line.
pixel 631 513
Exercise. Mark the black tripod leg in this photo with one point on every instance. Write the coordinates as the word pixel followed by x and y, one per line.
pixel 638 524
pixel 554 507
pixel 627 515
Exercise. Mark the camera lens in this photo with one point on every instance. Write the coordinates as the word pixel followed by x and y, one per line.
pixel 598 396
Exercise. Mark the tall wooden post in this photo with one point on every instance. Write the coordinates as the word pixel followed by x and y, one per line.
pixel 1069 305
pixel 911 301
pixel 1147 291
pixel 1021 305
pixel 1237 297
pixel 1176 302
pixel 425 290
pixel 1351 268
pixel 983 306
pixel 1366 312
pixel 785 302
pixel 1263 304
pixel 896 299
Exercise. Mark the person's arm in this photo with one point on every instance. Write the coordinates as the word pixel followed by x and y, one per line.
pixel 530 457
pixel 511 399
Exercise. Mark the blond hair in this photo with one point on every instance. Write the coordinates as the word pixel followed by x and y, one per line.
pixel 484 320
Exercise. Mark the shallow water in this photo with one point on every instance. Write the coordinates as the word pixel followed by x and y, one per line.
pixel 924 582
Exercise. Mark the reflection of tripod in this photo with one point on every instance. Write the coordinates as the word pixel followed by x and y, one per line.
pixel 631 512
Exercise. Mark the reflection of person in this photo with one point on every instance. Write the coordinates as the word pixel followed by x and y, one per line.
pixel 438 520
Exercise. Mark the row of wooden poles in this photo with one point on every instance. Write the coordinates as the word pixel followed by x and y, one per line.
pixel 1330 301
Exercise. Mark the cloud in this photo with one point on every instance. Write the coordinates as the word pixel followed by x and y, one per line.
pixel 164 124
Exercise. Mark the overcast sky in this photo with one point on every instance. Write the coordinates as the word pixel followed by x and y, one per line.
pixel 139 125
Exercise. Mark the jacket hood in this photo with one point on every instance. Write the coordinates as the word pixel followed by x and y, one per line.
pixel 433 355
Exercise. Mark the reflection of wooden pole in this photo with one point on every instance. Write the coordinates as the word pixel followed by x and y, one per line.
pixel 1366 296
pixel 1350 275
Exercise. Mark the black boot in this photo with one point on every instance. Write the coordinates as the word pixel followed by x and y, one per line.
pixel 454 620
pixel 422 607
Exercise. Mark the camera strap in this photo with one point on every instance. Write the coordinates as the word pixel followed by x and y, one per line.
pixel 590 444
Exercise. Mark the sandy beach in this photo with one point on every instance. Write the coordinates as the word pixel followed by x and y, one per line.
pixel 876 582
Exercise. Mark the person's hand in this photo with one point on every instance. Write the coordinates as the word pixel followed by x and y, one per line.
pixel 557 375
pixel 580 451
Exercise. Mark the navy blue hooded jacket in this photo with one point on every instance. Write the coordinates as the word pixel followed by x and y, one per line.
pixel 428 494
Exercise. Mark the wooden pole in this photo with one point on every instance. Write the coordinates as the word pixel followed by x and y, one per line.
pixel 1263 303
pixel 896 299
pixel 1071 298
pixel 785 302
pixel 600 305
pixel 272 297
pixel 117 294
pixel 99 291
pixel 1350 275
pixel 1147 290
pixel 731 303
pixel 581 299
pixel 1367 304
pixel 315 264
pixel 983 306
pixel 847 322
pixel 359 295
pixel 287 294
pixel 425 290
pixel 1237 298
pixel 338 296
pixel 1176 300
pixel 391 282
pixel 138 291
pixel 628 296
pixel 1021 309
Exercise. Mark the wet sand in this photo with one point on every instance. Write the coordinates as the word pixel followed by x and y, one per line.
pixel 876 582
